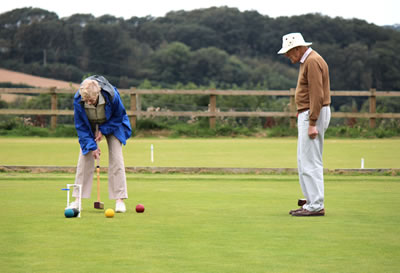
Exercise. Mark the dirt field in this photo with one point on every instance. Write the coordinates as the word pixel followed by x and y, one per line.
pixel 21 78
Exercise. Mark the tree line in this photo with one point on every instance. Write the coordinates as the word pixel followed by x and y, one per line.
pixel 218 47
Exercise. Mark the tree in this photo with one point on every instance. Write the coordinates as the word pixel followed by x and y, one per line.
pixel 33 39
pixel 207 64
pixel 385 62
pixel 193 35
pixel 107 48
pixel 170 64
pixel 358 73
pixel 234 72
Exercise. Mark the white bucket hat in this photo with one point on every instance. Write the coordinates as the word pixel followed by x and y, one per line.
pixel 292 40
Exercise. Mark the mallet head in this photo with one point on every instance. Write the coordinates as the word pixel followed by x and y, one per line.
pixel 98 205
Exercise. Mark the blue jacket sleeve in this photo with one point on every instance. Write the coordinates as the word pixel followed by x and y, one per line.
pixel 117 120
pixel 82 125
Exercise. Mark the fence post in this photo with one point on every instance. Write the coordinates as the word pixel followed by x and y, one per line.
pixel 133 107
pixel 212 108
pixel 53 120
pixel 292 107
pixel 372 107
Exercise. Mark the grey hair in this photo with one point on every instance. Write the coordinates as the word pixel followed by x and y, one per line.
pixel 89 89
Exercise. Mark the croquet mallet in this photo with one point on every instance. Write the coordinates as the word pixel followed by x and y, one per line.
pixel 98 204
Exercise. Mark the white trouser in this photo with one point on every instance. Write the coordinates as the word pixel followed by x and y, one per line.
pixel 116 171
pixel 309 159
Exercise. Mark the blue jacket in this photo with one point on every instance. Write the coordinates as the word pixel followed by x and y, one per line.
pixel 117 121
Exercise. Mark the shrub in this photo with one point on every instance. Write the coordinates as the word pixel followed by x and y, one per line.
pixel 65 131
pixel 9 124
pixel 149 124
pixel 279 131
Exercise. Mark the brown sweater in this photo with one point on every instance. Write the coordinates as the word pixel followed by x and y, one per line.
pixel 313 89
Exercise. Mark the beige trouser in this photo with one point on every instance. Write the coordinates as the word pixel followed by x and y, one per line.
pixel 116 171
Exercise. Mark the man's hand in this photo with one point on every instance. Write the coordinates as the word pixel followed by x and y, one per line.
pixel 312 132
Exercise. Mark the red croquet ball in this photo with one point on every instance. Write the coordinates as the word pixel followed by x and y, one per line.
pixel 139 208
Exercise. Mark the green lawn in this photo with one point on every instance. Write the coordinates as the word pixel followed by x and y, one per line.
pixel 201 223
pixel 219 152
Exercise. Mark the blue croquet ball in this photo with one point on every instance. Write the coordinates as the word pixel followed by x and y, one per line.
pixel 69 213
pixel 76 212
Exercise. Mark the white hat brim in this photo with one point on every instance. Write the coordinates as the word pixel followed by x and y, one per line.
pixel 283 50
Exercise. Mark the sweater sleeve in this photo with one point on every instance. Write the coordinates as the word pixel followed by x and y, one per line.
pixel 316 93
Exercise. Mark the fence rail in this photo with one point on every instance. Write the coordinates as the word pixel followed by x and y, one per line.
pixel 212 113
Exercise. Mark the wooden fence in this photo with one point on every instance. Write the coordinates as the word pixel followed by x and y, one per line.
pixel 212 113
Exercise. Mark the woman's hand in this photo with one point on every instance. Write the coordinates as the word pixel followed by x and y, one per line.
pixel 96 154
pixel 98 137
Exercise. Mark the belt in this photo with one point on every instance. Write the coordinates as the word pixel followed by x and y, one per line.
pixel 303 110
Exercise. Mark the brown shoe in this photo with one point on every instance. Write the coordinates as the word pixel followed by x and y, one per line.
pixel 305 212
pixel 301 202
pixel 295 210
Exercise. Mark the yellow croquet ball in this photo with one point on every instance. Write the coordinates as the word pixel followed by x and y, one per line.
pixel 109 213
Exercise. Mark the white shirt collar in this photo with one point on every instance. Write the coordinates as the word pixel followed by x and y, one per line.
pixel 305 55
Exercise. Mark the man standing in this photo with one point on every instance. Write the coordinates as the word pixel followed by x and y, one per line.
pixel 312 101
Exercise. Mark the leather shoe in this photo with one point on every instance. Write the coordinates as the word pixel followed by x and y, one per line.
pixel 301 203
pixel 305 212
pixel 295 210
